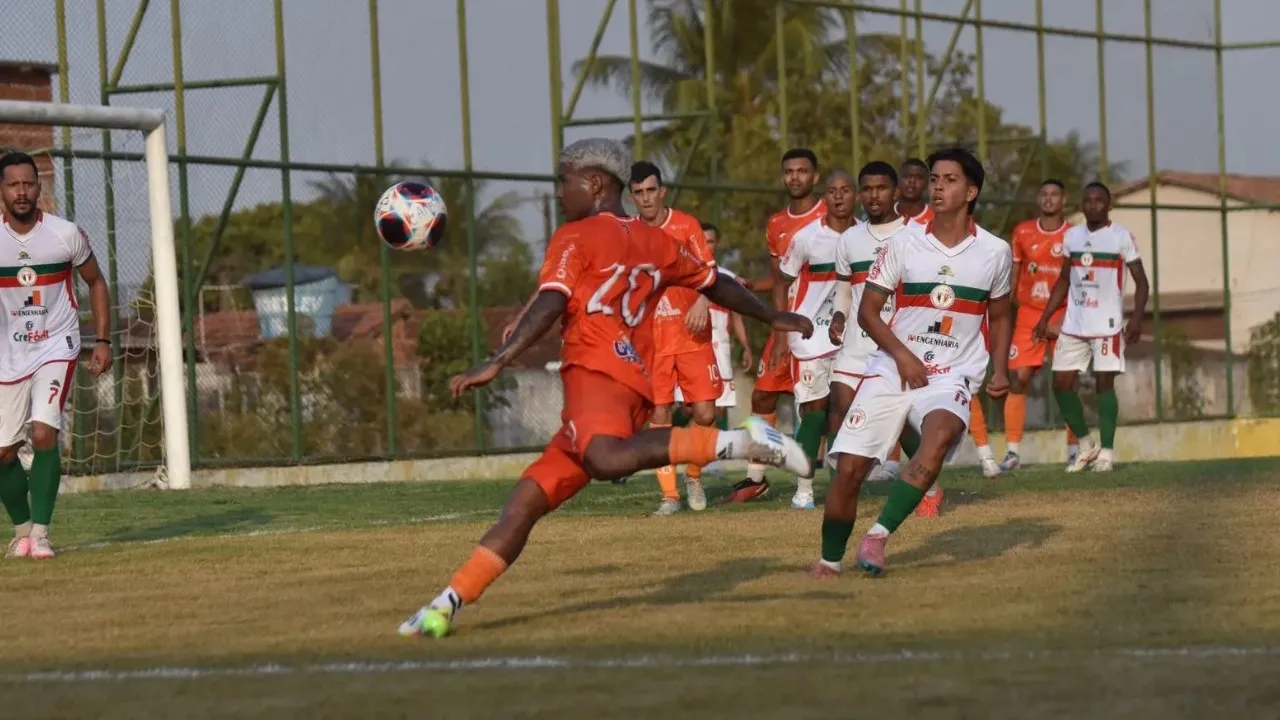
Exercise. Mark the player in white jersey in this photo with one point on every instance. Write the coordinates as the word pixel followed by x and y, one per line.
pixel 1093 273
pixel 40 347
pixel 809 266
pixel 877 192
pixel 946 278
pixel 723 323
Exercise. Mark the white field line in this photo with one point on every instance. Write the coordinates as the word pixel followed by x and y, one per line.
pixel 291 530
pixel 541 662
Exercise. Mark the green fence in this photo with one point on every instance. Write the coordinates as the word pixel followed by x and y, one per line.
pixel 288 119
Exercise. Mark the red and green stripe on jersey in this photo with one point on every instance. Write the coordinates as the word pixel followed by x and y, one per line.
pixel 1087 262
pixel 44 275
pixel 858 271
pixel 968 301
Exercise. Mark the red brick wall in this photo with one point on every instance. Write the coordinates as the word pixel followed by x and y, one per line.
pixel 30 83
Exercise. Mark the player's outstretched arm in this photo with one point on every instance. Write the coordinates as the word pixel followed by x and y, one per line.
pixel 728 293
pixel 546 308
pixel 1000 322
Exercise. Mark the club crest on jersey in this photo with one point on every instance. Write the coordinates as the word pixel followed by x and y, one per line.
pixel 942 296
pixel 1032 268
pixel 1086 259
pixel 1013 352
pixel 1057 250
pixel 27 276
pixel 626 351
pixel 856 419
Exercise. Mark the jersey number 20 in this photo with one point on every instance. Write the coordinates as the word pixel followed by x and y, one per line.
pixel 600 301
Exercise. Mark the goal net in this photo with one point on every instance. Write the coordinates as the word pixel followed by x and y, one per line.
pixel 106 169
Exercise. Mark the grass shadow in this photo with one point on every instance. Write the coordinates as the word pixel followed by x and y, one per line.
pixel 981 542
pixel 196 525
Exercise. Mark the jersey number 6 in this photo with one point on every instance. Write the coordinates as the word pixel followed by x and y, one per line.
pixel 600 301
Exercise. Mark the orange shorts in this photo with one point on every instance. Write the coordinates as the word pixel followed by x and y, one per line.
pixel 697 374
pixel 1025 352
pixel 774 379
pixel 594 404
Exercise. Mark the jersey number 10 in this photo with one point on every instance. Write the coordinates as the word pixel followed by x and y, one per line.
pixel 602 302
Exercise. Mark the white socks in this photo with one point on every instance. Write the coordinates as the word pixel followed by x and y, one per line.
pixel 733 444
pixel 1105 455
pixel 755 472
pixel 878 530
pixel 986 453
pixel 447 601
pixel 23 530
pixel 804 486
pixel 1013 447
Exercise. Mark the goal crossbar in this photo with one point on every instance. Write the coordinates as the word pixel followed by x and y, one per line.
pixel 151 123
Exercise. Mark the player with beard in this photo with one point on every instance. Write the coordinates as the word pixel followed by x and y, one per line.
pixel 773 378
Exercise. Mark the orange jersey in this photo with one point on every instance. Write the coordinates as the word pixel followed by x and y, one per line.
pixel 612 269
pixel 670 335
pixel 924 218
pixel 782 225
pixel 1038 255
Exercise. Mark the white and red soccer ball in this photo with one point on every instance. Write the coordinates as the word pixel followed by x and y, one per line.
pixel 411 216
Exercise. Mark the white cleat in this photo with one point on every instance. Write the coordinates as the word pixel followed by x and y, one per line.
pixel 666 507
pixel 1073 451
pixel 885 472
pixel 1089 451
pixel 767 446
pixel 694 495
pixel 427 622
pixel 1011 462
pixel 990 468
pixel 1102 465
pixel 41 549
pixel 19 547
pixel 802 501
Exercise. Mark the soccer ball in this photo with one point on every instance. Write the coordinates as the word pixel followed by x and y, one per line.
pixel 411 216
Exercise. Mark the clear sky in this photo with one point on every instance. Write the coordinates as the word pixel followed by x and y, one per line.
pixel 329 96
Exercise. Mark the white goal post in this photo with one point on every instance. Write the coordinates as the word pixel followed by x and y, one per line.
pixel 151 123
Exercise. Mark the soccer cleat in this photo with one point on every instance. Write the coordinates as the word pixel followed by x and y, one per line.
pixel 41 549
pixel 1072 452
pixel 823 571
pixel 1011 462
pixel 694 495
pixel 620 481
pixel 990 468
pixel 1102 465
pixel 886 472
pixel 1089 451
pixel 802 501
pixel 871 553
pixel 930 505
pixel 668 506
pixel 767 446
pixel 427 622
pixel 19 547
pixel 748 490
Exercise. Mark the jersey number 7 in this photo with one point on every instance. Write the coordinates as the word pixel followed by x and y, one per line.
pixel 602 299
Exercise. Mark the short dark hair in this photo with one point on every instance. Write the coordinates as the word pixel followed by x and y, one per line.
pixel 801 153
pixel 1054 181
pixel 1095 184
pixel 969 165
pixel 14 158
pixel 644 170
pixel 706 226
pixel 915 162
pixel 879 168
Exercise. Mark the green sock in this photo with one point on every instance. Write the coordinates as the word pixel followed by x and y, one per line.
pixel 46 475
pixel 722 421
pixel 813 425
pixel 835 538
pixel 13 492
pixel 1108 417
pixel 1072 411
pixel 902 501
pixel 910 442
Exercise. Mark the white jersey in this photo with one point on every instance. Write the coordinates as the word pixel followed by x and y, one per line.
pixel 858 249
pixel 811 260
pixel 37 293
pixel 1095 303
pixel 720 333
pixel 941 295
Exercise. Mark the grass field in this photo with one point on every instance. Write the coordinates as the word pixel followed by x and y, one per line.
pixel 1152 592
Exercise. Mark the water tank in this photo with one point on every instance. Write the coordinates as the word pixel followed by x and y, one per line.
pixel 316 292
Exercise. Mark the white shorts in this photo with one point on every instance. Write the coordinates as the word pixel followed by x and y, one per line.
pixel 848 369
pixel 728 398
pixel 39 398
pixel 812 378
pixel 881 409
pixel 1074 353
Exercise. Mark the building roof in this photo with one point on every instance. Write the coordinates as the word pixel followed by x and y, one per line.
pixel 51 68
pixel 1245 188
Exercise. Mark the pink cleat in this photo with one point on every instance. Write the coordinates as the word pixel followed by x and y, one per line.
pixel 871 553
pixel 41 549
pixel 822 571
pixel 19 547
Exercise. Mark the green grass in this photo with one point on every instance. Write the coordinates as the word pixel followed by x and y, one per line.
pixel 1028 598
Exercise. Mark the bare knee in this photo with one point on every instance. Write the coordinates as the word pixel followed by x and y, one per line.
pixel 704 413
pixel 1063 381
pixel 662 415
pixel 763 403
pixel 851 470
pixel 1018 383
pixel 1104 382
pixel 9 455
pixel 43 437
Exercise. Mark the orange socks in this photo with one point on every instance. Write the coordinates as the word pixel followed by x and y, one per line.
pixel 977 423
pixel 693 445
pixel 693 472
pixel 1071 437
pixel 896 454
pixel 667 474
pixel 1015 417
pixel 771 418
pixel 477 574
